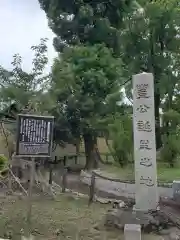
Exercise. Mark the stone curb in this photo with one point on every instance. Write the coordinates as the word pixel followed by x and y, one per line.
pixel 165 184
pixel 160 183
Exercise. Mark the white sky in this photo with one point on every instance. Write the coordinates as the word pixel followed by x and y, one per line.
pixel 22 24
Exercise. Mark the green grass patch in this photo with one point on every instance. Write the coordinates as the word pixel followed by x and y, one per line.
pixel 126 173
pixel 165 173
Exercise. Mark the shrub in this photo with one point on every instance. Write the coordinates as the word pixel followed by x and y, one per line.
pixel 122 143
pixel 171 149
pixel 3 162
pixel 171 137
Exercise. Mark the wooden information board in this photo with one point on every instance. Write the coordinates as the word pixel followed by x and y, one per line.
pixel 34 135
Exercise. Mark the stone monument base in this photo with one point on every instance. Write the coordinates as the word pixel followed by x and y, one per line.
pixel 151 221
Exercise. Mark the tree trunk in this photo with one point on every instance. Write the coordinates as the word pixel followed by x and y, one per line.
pixel 110 149
pixel 157 119
pixel 90 142
pixel 97 155
pixel 157 97
pixel 171 164
pixel 170 96
pixel 78 141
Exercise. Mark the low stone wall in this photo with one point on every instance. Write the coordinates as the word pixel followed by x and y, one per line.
pixel 120 187
pixel 165 184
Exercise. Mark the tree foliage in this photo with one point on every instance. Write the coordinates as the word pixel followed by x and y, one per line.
pixel 85 21
pixel 145 34
pixel 101 44
pixel 84 80
pixel 151 43
pixel 18 86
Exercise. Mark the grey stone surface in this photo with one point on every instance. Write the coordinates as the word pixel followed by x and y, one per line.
pixel 176 190
pixel 146 194
pixel 132 232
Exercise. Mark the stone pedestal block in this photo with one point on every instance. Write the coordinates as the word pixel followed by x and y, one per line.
pixel 132 232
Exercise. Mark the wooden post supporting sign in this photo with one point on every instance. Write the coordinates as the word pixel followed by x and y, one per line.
pixel 34 141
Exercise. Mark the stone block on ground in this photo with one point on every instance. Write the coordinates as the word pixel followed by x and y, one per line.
pixel 116 203
pixel 176 190
pixel 27 238
pixel 132 232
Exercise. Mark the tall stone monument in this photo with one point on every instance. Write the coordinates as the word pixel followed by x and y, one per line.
pixel 144 143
